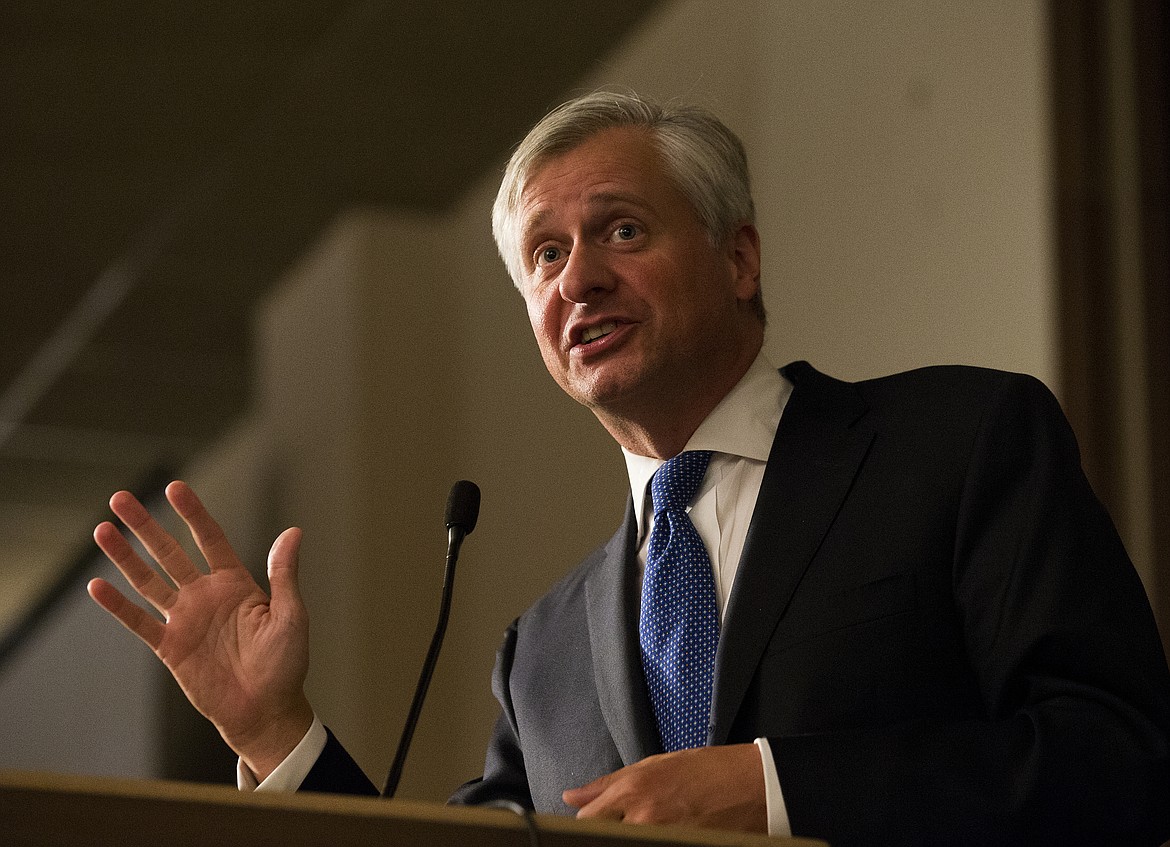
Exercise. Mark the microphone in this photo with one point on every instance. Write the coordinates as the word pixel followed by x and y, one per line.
pixel 462 513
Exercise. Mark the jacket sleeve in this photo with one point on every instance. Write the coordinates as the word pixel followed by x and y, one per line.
pixel 336 772
pixel 1072 746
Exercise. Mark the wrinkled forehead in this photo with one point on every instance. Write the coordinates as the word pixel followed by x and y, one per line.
pixel 597 163
pixel 618 139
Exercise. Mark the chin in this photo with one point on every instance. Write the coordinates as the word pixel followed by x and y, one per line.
pixel 611 397
pixel 608 388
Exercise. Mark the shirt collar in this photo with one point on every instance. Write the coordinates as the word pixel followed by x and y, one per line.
pixel 743 424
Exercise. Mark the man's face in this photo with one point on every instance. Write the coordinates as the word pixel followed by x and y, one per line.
pixel 629 301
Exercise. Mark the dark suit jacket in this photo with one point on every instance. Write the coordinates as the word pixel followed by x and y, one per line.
pixel 934 623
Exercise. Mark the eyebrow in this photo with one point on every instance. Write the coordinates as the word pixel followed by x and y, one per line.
pixel 598 200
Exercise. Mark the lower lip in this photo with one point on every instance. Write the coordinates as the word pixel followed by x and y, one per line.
pixel 600 345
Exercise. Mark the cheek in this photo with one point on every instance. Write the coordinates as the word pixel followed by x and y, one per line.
pixel 543 320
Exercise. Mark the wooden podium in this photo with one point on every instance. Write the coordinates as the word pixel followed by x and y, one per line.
pixel 47 810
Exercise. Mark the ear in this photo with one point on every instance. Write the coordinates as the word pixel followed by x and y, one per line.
pixel 743 251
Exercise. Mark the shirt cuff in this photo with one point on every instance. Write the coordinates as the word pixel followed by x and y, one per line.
pixel 290 773
pixel 777 812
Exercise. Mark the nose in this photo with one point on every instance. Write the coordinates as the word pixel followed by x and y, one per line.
pixel 586 275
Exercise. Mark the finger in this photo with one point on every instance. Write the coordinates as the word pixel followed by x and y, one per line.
pixel 145 579
pixel 282 573
pixel 586 794
pixel 128 614
pixel 602 809
pixel 208 534
pixel 157 541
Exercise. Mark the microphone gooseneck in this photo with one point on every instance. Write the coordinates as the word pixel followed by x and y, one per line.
pixel 462 513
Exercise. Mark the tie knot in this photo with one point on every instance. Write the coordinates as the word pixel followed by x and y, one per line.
pixel 675 483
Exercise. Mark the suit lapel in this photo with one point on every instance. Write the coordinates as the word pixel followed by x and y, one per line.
pixel 612 597
pixel 818 449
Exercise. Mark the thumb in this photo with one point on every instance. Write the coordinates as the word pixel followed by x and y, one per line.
pixel 282 571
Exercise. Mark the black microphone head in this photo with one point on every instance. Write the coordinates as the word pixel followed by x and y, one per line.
pixel 463 506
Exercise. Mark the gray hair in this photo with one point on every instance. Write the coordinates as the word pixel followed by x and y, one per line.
pixel 705 160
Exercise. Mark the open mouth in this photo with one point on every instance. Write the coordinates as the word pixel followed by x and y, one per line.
pixel 600 331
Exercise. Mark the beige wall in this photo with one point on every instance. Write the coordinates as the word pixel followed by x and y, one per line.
pixel 899 157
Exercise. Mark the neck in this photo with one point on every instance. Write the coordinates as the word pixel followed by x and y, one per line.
pixel 656 442
pixel 660 426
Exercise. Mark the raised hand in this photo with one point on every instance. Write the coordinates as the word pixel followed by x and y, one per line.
pixel 240 657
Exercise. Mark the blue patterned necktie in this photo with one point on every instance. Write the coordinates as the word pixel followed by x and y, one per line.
pixel 679 624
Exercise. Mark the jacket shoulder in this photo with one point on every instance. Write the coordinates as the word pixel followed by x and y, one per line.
pixel 935 389
pixel 568 592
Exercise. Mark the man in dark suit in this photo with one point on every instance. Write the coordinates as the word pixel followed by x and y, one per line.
pixel 921 627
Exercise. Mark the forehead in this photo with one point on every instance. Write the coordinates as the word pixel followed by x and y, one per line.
pixel 613 166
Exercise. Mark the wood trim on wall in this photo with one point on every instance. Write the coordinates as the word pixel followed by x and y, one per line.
pixel 1110 118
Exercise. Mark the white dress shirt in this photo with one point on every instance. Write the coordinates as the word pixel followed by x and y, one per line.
pixel 739 431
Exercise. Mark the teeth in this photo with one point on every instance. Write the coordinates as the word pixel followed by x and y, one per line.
pixel 597 331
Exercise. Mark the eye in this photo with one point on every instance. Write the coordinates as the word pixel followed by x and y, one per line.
pixel 547 255
pixel 625 232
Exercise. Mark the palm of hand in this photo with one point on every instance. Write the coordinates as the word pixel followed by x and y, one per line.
pixel 240 657
pixel 235 658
